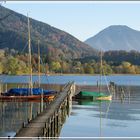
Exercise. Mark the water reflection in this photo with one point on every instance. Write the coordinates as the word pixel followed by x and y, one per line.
pixel 105 119
pixel 14 114
pixel 87 118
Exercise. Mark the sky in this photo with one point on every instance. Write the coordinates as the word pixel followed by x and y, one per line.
pixel 80 19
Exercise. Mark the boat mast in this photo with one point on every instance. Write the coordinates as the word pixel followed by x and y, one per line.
pixel 100 71
pixel 100 86
pixel 38 65
pixel 30 58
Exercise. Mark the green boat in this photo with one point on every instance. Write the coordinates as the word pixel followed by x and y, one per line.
pixel 93 95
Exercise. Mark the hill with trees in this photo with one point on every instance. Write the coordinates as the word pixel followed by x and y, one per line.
pixel 54 43
pixel 60 52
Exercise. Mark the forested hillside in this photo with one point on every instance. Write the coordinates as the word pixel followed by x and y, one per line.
pixel 54 43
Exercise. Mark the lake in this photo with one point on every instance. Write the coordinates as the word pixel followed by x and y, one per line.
pixel 83 80
pixel 103 119
pixel 87 119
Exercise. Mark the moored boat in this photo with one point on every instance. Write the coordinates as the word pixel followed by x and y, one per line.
pixel 30 92
pixel 93 95
pixel 24 94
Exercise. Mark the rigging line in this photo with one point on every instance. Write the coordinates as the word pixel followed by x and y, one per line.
pixel 24 47
pixel 106 82
pixel 100 82
pixel 105 77
pixel 30 57
pixel 44 70
pixel 107 110
pixel 41 61
pixel 100 106
pixel 39 80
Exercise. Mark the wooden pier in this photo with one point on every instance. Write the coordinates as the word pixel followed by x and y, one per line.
pixel 49 122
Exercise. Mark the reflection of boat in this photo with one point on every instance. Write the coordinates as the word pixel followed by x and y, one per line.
pixel 30 92
pixel 95 95
pixel 101 107
pixel 89 102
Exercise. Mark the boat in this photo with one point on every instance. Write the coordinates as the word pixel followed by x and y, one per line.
pixel 24 93
pixel 30 93
pixel 95 95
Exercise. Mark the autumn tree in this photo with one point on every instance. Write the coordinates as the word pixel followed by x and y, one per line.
pixel 88 69
pixel 55 66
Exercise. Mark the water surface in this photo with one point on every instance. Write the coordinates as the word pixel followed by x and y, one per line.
pixel 105 119
pixel 87 119
pixel 78 79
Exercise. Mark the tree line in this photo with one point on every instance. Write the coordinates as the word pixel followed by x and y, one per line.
pixel 114 62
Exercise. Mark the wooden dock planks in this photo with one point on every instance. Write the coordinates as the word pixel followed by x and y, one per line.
pixel 36 126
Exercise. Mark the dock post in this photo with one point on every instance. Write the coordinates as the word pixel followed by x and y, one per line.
pixel 0 87
pixel 55 124
pixel 51 127
pixel 57 118
pixel 41 102
pixel 129 95
pixel 5 87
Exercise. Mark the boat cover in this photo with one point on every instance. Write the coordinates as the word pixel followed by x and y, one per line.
pixel 26 92
pixel 94 94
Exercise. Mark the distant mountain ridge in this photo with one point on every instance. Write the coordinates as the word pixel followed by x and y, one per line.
pixel 53 42
pixel 116 37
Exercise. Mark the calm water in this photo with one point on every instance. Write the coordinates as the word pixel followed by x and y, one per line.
pixel 105 119
pixel 87 119
pixel 13 114
pixel 86 80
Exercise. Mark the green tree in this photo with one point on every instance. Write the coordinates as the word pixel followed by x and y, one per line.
pixel 22 68
pixel 88 69
pixel 64 67
pixel 55 66
pixel 106 69
pixel 12 66
pixel 1 68
pixel 128 67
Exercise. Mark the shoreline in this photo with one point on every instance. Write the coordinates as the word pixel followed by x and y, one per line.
pixel 70 74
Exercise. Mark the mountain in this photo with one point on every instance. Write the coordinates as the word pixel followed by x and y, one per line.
pixel 53 42
pixel 116 37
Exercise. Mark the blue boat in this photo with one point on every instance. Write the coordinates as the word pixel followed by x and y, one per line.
pixel 31 92
pixel 26 92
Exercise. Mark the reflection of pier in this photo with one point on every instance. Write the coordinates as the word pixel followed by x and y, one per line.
pixel 49 122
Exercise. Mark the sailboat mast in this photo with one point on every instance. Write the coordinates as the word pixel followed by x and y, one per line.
pixel 100 71
pixel 30 58
pixel 38 65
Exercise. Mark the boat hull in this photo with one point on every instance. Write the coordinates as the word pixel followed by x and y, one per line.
pixel 93 96
pixel 30 97
pixel 105 98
